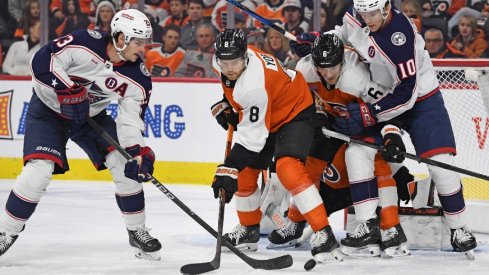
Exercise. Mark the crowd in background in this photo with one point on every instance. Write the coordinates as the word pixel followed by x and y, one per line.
pixel 184 31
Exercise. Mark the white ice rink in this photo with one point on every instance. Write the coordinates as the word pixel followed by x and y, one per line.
pixel 78 229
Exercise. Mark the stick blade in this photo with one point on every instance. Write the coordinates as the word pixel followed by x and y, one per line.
pixel 275 263
pixel 198 268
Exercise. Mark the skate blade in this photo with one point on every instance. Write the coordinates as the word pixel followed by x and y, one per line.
pixel 369 251
pixel 153 256
pixel 397 251
pixel 292 243
pixel 245 247
pixel 328 257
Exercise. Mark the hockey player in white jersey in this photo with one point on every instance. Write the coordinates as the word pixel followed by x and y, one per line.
pixel 338 77
pixel 394 53
pixel 73 77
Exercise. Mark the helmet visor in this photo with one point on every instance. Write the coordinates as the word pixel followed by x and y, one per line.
pixel 371 16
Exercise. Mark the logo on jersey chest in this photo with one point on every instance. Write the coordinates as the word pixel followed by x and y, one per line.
pixel 398 38
pixel 331 174
pixel 94 34
pixel 144 70
pixel 371 51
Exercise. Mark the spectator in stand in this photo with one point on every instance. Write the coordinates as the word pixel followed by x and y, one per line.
pixel 188 39
pixel 165 60
pixel 437 48
pixel 105 13
pixel 17 61
pixel 178 15
pixel 272 10
pixel 471 40
pixel 30 16
pixel 240 21
pixel 335 10
pixel 74 20
pixel 474 9
pixel 150 12
pixel 16 9
pixel 435 13
pixel 87 7
pixel 255 38
pixel 220 12
pixel 412 9
pixel 162 8
pixel 209 6
pixel 294 16
pixel 198 63
pixel 278 46
pixel 324 19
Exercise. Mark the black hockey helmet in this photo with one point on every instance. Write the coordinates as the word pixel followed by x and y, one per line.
pixel 327 51
pixel 231 44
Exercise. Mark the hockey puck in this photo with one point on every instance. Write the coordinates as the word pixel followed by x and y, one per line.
pixel 310 264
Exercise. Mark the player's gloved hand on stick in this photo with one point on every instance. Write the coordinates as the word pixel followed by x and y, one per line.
pixel 141 163
pixel 354 118
pixel 394 146
pixel 73 103
pixel 227 179
pixel 224 114
pixel 302 46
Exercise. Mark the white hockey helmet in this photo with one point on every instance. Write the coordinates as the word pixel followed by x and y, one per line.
pixel 133 24
pixel 370 5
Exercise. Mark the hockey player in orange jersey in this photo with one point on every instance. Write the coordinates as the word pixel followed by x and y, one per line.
pixel 276 115
pixel 337 76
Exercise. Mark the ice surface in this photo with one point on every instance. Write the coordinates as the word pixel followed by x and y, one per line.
pixel 78 229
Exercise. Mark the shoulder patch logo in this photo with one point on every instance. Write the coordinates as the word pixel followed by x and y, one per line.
pixel 94 34
pixel 144 70
pixel 398 38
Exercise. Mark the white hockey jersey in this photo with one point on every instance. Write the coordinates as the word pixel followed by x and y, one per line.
pixel 396 58
pixel 81 57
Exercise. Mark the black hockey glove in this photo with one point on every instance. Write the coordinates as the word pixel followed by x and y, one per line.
pixel 394 146
pixel 302 46
pixel 227 179
pixel 73 103
pixel 224 114
pixel 141 163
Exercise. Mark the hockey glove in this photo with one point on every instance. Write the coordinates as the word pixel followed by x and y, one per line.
pixel 141 163
pixel 394 146
pixel 302 46
pixel 354 118
pixel 73 103
pixel 227 179
pixel 224 114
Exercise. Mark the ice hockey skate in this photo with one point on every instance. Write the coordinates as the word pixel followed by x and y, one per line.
pixel 421 193
pixel 145 246
pixel 244 238
pixel 6 241
pixel 394 242
pixel 364 241
pixel 286 236
pixel 463 240
pixel 325 246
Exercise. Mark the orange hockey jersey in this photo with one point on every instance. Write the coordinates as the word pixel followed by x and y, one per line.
pixel 163 64
pixel 273 14
pixel 266 96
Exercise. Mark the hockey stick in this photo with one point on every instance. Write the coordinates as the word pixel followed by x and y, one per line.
pixel 263 20
pixel 269 264
pixel 200 268
pixel 407 155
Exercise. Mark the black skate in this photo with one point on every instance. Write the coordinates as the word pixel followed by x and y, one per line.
pixel 394 242
pixel 364 241
pixel 244 237
pixel 463 240
pixel 6 241
pixel 145 246
pixel 286 236
pixel 325 246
